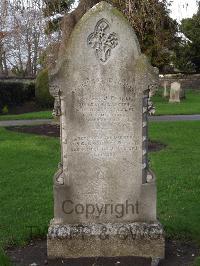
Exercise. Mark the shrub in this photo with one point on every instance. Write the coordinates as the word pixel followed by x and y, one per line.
pixel 43 97
pixel 13 93
pixel 5 110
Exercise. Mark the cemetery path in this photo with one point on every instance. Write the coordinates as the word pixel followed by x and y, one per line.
pixel 49 121
pixel 25 122
pixel 174 118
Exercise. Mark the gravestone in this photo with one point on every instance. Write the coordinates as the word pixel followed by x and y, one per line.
pixel 104 191
pixel 182 93
pixel 165 92
pixel 175 92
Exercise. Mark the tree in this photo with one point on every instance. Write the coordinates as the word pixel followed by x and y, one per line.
pixel 154 27
pixel 26 37
pixel 22 37
pixel 55 10
pixel 150 19
pixel 188 52
pixel 3 33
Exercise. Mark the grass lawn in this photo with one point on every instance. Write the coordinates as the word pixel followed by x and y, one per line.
pixel 4 260
pixel 197 262
pixel 33 115
pixel 188 106
pixel 28 162
pixel 178 177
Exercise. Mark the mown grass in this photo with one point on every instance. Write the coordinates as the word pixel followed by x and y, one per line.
pixel 197 262
pixel 188 106
pixel 28 163
pixel 31 116
pixel 178 177
pixel 4 260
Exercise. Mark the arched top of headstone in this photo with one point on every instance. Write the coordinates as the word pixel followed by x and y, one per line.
pixel 102 37
pixel 103 44
pixel 176 84
pixel 109 28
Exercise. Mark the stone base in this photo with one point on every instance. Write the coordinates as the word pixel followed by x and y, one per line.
pixel 106 240
pixel 174 101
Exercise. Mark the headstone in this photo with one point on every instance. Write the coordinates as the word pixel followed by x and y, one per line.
pixel 165 92
pixel 175 92
pixel 182 94
pixel 104 192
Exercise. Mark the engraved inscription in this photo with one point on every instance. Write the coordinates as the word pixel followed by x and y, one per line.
pixel 108 103
pixel 104 146
pixel 102 41
pixel 106 106
pixel 106 109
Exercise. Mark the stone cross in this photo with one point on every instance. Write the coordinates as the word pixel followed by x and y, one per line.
pixel 104 191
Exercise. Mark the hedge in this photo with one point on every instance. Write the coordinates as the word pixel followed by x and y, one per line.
pixel 14 93
pixel 43 97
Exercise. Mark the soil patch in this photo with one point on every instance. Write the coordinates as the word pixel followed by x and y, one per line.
pixel 177 254
pixel 44 130
pixel 154 146
pixel 54 131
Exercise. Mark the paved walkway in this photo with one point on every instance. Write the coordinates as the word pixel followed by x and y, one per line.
pixel 175 118
pixel 25 122
pixel 49 121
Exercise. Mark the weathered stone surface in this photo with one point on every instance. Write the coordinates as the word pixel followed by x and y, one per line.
pixel 166 89
pixel 102 93
pixel 130 239
pixel 175 92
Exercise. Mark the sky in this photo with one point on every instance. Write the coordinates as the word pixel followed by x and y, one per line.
pixel 180 8
pixel 183 9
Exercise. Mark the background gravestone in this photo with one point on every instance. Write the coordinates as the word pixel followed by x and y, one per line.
pixel 104 192
pixel 175 92
pixel 165 92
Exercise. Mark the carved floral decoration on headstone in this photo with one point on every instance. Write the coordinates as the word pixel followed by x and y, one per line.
pixel 102 40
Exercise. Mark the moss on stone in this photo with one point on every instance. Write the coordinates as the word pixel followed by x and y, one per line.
pixel 142 64
pixel 119 14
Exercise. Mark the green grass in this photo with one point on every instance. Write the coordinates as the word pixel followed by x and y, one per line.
pixel 190 105
pixel 4 260
pixel 33 115
pixel 178 177
pixel 197 262
pixel 28 163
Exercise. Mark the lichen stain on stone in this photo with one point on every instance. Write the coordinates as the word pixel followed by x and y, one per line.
pixel 142 64
pixel 119 14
